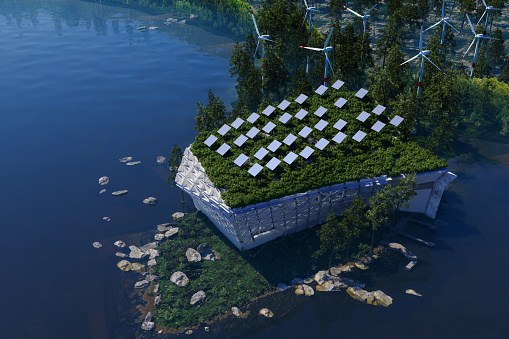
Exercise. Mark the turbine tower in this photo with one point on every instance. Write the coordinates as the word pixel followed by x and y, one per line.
pixel 445 20
pixel 423 54
pixel 487 12
pixel 364 17
pixel 326 49
pixel 309 10
pixel 261 38
pixel 477 37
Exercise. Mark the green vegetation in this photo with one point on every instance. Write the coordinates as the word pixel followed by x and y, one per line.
pixel 386 152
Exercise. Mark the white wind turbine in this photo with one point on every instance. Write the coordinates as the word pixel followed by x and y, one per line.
pixel 364 17
pixel 487 12
pixel 326 49
pixel 477 37
pixel 445 20
pixel 423 54
pixel 261 38
pixel 309 10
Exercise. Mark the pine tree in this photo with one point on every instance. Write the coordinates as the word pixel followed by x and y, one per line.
pixel 212 115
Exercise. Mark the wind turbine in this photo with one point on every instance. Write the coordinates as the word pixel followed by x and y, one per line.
pixel 261 38
pixel 309 10
pixel 477 37
pixel 487 12
pixel 446 22
pixel 364 17
pixel 423 54
pixel 326 49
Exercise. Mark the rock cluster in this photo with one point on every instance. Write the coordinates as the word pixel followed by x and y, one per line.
pixel 377 298
pixel 137 253
pixel 400 248
pixel 148 324
pixel 304 289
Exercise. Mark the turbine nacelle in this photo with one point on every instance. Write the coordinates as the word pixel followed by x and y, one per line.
pixel 328 49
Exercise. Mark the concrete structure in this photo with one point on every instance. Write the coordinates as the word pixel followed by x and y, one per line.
pixel 251 226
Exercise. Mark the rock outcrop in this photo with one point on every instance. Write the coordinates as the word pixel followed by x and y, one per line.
pixel 377 298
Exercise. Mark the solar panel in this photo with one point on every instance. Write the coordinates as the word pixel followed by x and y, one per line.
pixel 305 131
pixel 378 126
pixel 340 102
pixel 273 163
pixel 241 159
pixel 306 152
pixel 274 146
pixel 338 84
pixel 302 113
pixel 252 132
pixel 262 152
pixel 379 109
pixel 210 140
pixel 321 125
pixel 223 149
pixel 268 111
pixel 320 111
pixel 359 136
pixel 290 139
pixel 363 116
pixel 361 93
pixel 290 158
pixel 339 137
pixel 321 143
pixel 255 169
pixel 284 104
pixel 253 117
pixel 284 118
pixel 301 98
pixel 236 124
pixel 396 120
pixel 225 128
pixel 340 124
pixel 240 140
pixel 269 127
pixel 320 90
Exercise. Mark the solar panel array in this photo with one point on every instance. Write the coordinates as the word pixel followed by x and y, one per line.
pixel 275 160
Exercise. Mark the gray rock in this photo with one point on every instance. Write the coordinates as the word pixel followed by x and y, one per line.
pixel 121 255
pixel 157 300
pixel 153 253
pixel 177 215
pixel 141 284
pixel 382 299
pixel 149 246
pixel 161 160
pixel 159 236
pixel 193 255
pixel 148 317
pixel 151 263
pixel 202 248
pixel 211 255
pixel 172 231
pixel 136 253
pixel 97 244
pixel 197 297
pixel 360 294
pixel 296 281
pixel 179 279
pixel 148 326
pixel 360 264
pixel 410 291
pixel 102 191
pixel 131 163
pixel 340 269
pixel 151 277
pixel 121 192
pixel 266 312
pixel 156 288
pixel 329 286
pixel 163 227
pixel 308 290
pixel 124 265
pixel 119 243
pixel 282 287
pixel 104 180
pixel 106 218
pixel 151 201
pixel 236 311
pixel 125 159
pixel 322 276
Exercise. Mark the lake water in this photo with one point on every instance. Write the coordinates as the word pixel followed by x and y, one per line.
pixel 81 87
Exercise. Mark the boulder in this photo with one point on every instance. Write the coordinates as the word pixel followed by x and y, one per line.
pixel 163 227
pixel 159 236
pixel 202 248
pixel 141 284
pixel 117 193
pixel 151 201
pixel 359 294
pixel 193 255
pixel 157 300
pixel 326 287
pixel 131 163
pixel 177 215
pixel 410 291
pixel 125 159
pixel 299 290
pixel 236 311
pixel 172 231
pixel 340 269
pixel 151 277
pixel 148 317
pixel 282 287
pixel 149 246
pixel 322 276
pixel 360 264
pixel 97 244
pixel 104 180
pixel 308 290
pixel 189 332
pixel 136 253
pixel 138 267
pixel 161 160
pixel 106 218
pixel 153 253
pixel 266 313
pixel 119 243
pixel 121 255
pixel 309 280
pixel 193 16
pixel 156 288
pixel 197 297
pixel 211 255
pixel 151 263
pixel 381 299
pixel 351 283
pixel 147 326
pixel 179 279
pixel 296 281
pixel 102 191
pixel 124 265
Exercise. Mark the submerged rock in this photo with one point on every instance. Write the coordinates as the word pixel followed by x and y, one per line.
pixel 119 243
pixel 121 255
pixel 141 284
pixel 131 163
pixel 124 265
pixel 410 291
pixel 125 159
pixel 104 180
pixel 296 281
pixel 121 192
pixel 164 227
pixel 149 246
pixel 197 297
pixel 137 267
pixel 282 287
pixel 193 255
pixel 266 313
pixel 177 215
pixel 151 201
pixel 97 244
pixel 161 160
pixel 179 278
pixel 360 264
pixel 106 218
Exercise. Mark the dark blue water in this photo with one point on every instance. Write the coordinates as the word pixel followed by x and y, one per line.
pixel 80 87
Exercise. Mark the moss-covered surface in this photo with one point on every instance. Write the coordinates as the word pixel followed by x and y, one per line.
pixel 380 153
pixel 236 278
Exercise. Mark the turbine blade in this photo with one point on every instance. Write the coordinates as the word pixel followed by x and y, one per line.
pixel 328 61
pixel 256 50
pixel 484 3
pixel 413 58
pixel 430 27
pixel 469 22
pixel 443 9
pixel 312 48
pixel 468 49
pixel 420 41
pixel 371 8
pixel 348 9
pixel 482 16
pixel 488 37
pixel 305 2
pixel 305 16
pixel 454 28
pixel 328 38
pixel 269 40
pixel 433 64
pixel 256 27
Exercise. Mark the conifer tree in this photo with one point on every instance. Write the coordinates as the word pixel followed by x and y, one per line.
pixel 212 115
